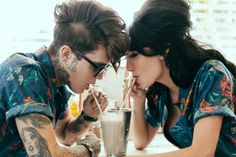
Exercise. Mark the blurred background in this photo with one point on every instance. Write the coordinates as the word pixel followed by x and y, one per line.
pixel 28 24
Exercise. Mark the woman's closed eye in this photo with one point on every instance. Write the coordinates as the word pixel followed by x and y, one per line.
pixel 133 54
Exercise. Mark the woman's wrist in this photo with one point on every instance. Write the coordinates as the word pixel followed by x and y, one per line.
pixel 139 104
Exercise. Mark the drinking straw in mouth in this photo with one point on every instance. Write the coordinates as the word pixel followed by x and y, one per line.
pixel 127 94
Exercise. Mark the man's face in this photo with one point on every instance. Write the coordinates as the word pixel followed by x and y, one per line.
pixel 86 70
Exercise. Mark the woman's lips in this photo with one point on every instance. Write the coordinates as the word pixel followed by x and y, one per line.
pixel 87 87
pixel 136 78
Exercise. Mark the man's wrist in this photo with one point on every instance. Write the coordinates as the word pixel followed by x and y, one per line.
pixel 89 149
pixel 82 150
pixel 87 117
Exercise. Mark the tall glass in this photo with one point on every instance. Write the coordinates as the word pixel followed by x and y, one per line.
pixel 115 129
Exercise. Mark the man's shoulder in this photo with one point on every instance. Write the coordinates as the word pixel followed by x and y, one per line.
pixel 20 59
pixel 18 64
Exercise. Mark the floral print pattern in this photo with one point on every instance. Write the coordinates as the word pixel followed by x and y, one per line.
pixel 213 92
pixel 27 85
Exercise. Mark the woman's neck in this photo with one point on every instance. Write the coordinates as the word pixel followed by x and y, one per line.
pixel 168 82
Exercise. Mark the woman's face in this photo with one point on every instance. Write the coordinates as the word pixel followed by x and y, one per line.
pixel 146 70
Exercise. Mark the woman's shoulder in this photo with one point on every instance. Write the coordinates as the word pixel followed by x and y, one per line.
pixel 212 70
pixel 213 65
pixel 208 64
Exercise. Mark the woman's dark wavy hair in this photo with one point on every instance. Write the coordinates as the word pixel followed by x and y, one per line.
pixel 85 24
pixel 165 24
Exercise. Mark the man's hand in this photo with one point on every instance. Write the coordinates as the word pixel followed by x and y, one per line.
pixel 91 142
pixel 90 107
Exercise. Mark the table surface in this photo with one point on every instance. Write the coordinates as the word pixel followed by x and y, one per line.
pixel 158 145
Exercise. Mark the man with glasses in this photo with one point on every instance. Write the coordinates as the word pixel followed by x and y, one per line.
pixel 34 119
pixel 98 68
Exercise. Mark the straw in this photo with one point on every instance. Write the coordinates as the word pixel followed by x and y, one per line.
pixel 127 94
pixel 96 100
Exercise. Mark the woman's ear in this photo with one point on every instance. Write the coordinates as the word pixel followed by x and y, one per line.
pixel 167 51
pixel 162 58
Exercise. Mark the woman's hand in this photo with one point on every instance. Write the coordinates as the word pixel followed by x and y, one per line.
pixel 138 94
pixel 90 107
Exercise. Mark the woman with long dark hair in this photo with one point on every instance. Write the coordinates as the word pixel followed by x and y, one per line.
pixel 189 87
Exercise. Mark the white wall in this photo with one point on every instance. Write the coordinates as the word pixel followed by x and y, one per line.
pixel 112 85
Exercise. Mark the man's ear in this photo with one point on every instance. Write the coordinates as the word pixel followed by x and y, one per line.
pixel 65 53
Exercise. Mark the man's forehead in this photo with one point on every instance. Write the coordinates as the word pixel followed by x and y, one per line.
pixel 99 57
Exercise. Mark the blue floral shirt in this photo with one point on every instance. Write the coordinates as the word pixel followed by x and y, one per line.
pixel 27 85
pixel 213 92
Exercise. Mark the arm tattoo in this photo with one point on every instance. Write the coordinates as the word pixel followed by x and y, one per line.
pixel 36 120
pixel 77 151
pixel 34 143
pixel 75 126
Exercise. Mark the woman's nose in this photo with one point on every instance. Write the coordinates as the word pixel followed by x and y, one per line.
pixel 100 76
pixel 129 66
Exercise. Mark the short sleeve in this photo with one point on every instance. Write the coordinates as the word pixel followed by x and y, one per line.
pixel 61 100
pixel 26 91
pixel 213 92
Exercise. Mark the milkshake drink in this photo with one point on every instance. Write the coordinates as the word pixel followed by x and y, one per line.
pixel 115 128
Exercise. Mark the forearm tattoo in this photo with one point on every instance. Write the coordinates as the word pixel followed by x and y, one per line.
pixel 79 124
pixel 77 150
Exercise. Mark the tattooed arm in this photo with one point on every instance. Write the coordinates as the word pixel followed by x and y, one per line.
pixel 39 138
pixel 68 129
